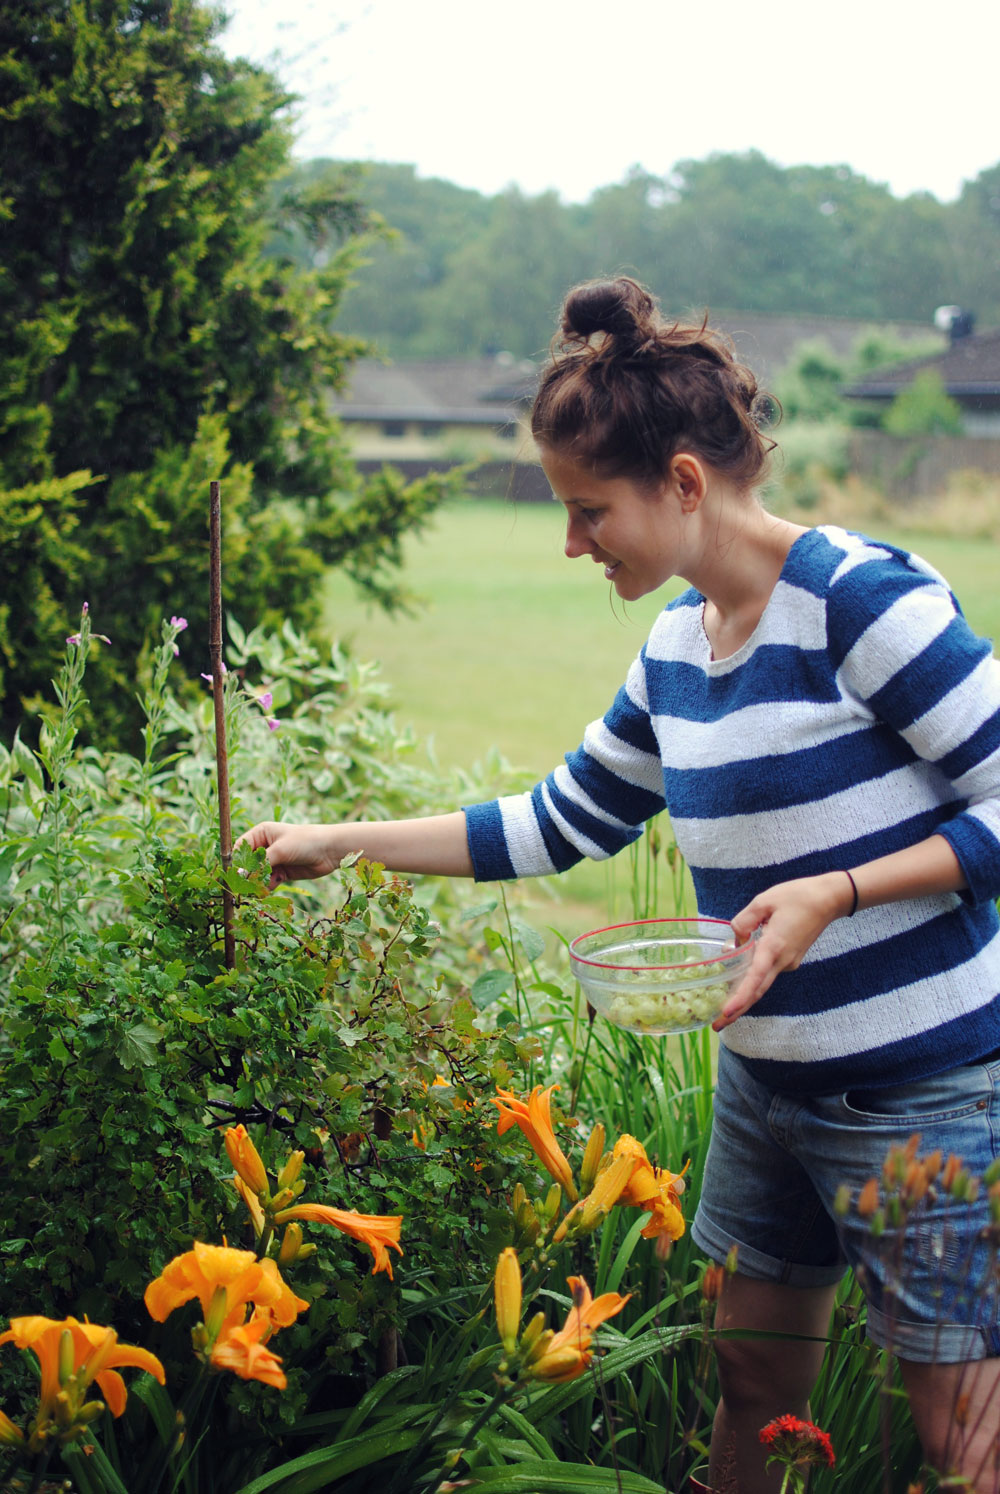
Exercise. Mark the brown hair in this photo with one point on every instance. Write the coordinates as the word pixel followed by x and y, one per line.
pixel 626 390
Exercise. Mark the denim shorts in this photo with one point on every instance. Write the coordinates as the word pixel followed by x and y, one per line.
pixel 776 1161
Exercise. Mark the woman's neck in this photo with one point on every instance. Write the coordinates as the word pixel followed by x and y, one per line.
pixel 738 555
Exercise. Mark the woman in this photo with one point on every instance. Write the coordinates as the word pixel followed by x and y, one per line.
pixel 824 730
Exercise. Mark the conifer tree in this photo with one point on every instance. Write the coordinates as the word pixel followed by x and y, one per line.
pixel 152 339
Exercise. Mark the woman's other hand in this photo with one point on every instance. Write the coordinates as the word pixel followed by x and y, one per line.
pixel 791 916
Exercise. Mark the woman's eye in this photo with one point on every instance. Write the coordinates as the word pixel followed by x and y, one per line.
pixel 590 514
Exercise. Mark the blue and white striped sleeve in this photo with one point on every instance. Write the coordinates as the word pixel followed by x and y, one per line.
pixel 593 805
pixel 902 646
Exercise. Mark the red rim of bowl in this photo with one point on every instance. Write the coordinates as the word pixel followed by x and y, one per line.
pixel 722 923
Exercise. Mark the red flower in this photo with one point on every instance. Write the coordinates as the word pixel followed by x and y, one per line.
pixel 797 1442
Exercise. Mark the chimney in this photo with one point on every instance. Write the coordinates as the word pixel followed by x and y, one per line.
pixel 955 321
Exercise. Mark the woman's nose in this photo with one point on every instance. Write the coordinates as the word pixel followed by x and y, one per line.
pixel 576 541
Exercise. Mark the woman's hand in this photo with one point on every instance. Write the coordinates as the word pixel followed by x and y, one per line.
pixel 436 845
pixel 791 916
pixel 295 853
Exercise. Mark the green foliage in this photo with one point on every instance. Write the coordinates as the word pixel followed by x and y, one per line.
pixel 150 343
pixel 924 408
pixel 732 231
pixel 809 387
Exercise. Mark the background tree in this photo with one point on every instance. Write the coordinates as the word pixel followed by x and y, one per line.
pixel 732 232
pixel 150 342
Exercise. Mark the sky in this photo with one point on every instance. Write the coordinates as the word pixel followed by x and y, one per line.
pixel 569 94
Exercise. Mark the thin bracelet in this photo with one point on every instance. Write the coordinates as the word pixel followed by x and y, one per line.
pixel 854 889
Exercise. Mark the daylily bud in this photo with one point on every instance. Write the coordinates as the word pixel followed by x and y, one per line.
pixel 592 1158
pixel 711 1283
pixel 915 1184
pixel 558 1364
pixel 90 1411
pixel 216 1313
pixel 246 1159
pixel 532 1333
pixel 291 1244
pixel 868 1199
pixel 282 1199
pixel 67 1357
pixel 64 1410
pixel 552 1201
pixel 952 1168
pixel 518 1197
pixel 539 1345
pixel 290 1172
pixel 507 1295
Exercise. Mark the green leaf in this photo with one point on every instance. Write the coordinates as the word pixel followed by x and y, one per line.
pixel 531 941
pixel 139 1046
pixel 545 1476
pixel 489 987
pixel 319 1468
pixel 8 860
pixel 57 1049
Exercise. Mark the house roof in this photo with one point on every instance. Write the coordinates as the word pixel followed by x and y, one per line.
pixel 496 390
pixel 970 367
pixel 459 390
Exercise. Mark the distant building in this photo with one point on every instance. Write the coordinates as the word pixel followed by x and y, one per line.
pixel 969 368
pixel 419 414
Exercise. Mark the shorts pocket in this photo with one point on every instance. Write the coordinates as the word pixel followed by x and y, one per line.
pixel 956 1095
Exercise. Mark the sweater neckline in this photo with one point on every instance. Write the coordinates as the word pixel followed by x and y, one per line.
pixel 749 646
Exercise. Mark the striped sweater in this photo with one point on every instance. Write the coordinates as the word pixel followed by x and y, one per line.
pixel 861 716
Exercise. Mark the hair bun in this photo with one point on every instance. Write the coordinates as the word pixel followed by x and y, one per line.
pixel 620 308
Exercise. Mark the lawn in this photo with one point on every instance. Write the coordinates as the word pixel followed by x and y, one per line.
pixel 515 647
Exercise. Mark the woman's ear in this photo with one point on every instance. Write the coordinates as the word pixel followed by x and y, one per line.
pixel 688 478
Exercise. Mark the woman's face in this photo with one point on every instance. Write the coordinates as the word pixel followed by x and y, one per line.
pixel 632 531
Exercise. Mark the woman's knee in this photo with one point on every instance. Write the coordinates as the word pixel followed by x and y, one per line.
pixel 757 1372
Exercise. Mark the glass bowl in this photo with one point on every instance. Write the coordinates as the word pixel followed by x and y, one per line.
pixel 661 975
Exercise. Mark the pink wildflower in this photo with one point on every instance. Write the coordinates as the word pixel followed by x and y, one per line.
pixel 74 639
pixel 86 608
pixel 264 700
pixel 180 623
pixel 273 723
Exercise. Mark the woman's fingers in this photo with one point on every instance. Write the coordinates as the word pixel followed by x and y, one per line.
pixel 791 916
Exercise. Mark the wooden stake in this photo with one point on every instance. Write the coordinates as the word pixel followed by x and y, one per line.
pixel 218 676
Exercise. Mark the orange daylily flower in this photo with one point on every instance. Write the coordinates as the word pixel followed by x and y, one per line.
pixel 207 1269
pixel 253 1204
pixel 10 1434
pixel 241 1350
pixel 377 1231
pixel 94 1353
pixel 654 1189
pixel 246 1159
pixel 534 1119
pixel 567 1353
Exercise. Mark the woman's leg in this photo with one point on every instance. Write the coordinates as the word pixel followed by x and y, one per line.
pixel 956 1411
pixel 762 1378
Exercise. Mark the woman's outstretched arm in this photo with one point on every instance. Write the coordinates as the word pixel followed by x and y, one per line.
pixel 436 845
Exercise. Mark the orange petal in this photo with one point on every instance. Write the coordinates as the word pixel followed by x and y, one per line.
pixel 246 1159
pixel 377 1231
